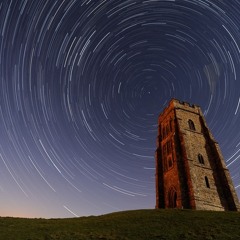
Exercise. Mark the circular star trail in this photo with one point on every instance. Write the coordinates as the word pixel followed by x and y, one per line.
pixel 82 85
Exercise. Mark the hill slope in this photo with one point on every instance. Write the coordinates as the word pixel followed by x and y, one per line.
pixel 139 224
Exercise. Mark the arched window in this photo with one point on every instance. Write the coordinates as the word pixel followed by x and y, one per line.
pixel 191 125
pixel 207 182
pixel 200 159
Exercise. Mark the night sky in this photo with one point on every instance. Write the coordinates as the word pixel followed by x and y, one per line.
pixel 82 85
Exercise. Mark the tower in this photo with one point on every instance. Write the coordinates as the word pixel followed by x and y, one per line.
pixel 190 169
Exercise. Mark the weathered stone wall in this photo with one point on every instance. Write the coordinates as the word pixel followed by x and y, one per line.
pixel 195 143
pixel 190 169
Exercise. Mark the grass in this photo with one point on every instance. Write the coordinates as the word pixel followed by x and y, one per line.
pixel 139 224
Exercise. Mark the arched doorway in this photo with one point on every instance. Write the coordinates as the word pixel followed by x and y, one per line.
pixel 172 198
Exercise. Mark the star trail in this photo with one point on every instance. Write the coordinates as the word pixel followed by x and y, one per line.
pixel 82 85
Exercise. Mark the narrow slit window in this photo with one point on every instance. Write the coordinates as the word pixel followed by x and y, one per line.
pixel 170 125
pixel 167 129
pixel 164 132
pixel 200 159
pixel 170 163
pixel 207 182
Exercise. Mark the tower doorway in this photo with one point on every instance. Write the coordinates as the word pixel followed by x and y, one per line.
pixel 172 198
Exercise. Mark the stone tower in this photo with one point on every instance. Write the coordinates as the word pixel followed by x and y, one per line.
pixel 190 169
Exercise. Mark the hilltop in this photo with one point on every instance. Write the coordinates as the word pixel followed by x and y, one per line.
pixel 137 224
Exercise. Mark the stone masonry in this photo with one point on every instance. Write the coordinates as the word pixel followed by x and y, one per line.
pixel 190 169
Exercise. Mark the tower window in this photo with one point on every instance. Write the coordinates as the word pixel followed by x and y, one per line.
pixel 200 159
pixel 170 163
pixel 169 147
pixel 207 182
pixel 167 129
pixel 191 125
pixel 163 132
pixel 170 125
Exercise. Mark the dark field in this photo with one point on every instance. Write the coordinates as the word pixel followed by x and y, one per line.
pixel 139 224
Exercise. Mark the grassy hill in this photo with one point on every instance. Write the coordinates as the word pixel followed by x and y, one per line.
pixel 139 224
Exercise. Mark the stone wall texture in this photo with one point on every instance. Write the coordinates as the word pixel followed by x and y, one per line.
pixel 190 169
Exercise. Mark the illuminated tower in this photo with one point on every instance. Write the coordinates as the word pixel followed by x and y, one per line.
pixel 190 169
